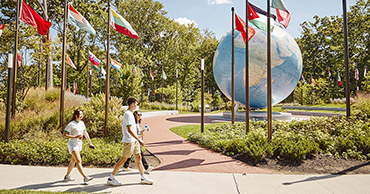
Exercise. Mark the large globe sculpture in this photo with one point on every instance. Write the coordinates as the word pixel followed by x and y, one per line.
pixel 286 66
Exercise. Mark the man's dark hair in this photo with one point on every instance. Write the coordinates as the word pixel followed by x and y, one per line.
pixel 131 100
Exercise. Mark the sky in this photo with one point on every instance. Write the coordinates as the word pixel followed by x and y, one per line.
pixel 215 15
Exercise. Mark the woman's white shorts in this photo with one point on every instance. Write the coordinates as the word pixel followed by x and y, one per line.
pixel 74 146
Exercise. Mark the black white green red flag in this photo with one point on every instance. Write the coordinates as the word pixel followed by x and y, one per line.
pixel 260 21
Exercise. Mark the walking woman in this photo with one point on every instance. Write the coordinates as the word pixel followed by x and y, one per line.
pixel 75 131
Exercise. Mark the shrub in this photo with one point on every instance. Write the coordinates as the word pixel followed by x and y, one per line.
pixel 295 140
pixel 106 153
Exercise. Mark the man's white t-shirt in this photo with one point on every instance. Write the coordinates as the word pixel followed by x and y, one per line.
pixel 128 120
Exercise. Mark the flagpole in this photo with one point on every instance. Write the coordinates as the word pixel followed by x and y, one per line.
pixel 232 69
pixel 202 96
pixel 246 70
pixel 87 78
pixel 162 85
pixel 176 88
pixel 329 87
pixel 90 81
pixel 107 76
pixel 269 89
pixel 345 31
pixel 338 85
pixel 142 88
pixel 62 84
pixel 8 98
pixel 133 75
pixel 366 79
pixel 116 82
pixel 14 91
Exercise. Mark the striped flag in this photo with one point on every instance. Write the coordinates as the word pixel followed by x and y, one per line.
pixel 339 79
pixel 70 62
pixel 134 69
pixel 356 74
pixel 151 75
pixel 76 19
pixel 115 64
pixel 260 21
pixel 304 81
pixel 313 81
pixel 282 12
pixel 95 61
pixel 118 23
pixel 1 28
pixel 329 73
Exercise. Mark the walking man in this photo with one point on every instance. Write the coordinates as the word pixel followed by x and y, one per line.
pixel 131 144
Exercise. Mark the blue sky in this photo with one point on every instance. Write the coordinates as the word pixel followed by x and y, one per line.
pixel 215 15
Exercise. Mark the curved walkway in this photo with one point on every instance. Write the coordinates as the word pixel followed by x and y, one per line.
pixel 178 154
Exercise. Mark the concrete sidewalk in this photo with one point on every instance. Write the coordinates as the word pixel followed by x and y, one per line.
pixel 169 182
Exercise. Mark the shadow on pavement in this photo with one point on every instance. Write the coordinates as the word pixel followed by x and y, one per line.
pixel 164 143
pixel 315 178
pixel 343 172
pixel 189 163
pixel 79 186
pixel 177 152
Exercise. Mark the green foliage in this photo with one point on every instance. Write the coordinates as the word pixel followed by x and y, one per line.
pixel 94 118
pixel 295 140
pixel 52 95
pixel 165 106
pixel 106 153
pixel 362 104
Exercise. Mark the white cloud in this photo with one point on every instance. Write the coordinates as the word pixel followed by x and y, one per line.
pixel 217 2
pixel 186 21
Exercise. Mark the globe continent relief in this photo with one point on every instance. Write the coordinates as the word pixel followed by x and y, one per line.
pixel 286 66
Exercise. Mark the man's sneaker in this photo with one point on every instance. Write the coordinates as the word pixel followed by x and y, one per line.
pixel 127 169
pixel 88 178
pixel 113 182
pixel 146 181
pixel 68 178
pixel 147 171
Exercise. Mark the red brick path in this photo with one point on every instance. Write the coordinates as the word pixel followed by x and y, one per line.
pixel 178 154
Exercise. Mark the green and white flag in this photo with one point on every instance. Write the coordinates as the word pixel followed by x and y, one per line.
pixel 76 19
pixel 164 76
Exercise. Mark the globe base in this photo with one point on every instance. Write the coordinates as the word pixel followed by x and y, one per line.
pixel 258 115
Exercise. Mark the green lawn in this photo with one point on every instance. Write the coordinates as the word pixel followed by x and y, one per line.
pixel 185 130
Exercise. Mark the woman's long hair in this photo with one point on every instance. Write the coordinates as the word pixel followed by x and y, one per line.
pixel 136 113
pixel 76 114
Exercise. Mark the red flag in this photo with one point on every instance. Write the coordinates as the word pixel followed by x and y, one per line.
pixel 283 17
pixel 313 81
pixel 19 59
pixel 1 28
pixel 29 16
pixel 356 74
pixel 151 75
pixel 240 26
pixel 339 79
pixel 251 13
